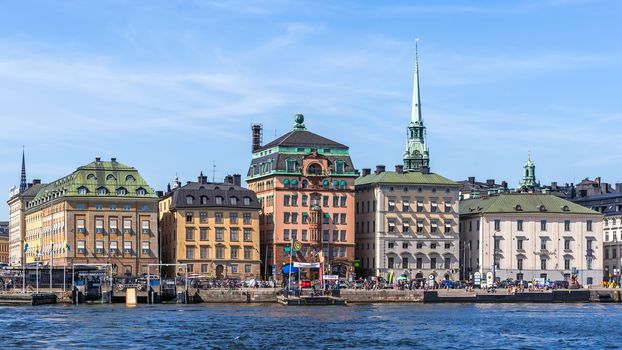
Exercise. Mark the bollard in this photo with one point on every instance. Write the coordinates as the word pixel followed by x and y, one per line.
pixel 130 297
pixel 616 296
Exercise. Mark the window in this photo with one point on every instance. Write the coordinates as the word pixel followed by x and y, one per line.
pixel 391 225
pixel 542 225
pixel 188 216
pixel 614 252
pixel 447 245
pixel 248 253
pixel 447 263
pixel 325 201
pixel 542 264
pixel 218 218
pixel 99 225
pixel 304 235
pixel 566 243
pixel 99 247
pixel 220 234
pixel 434 226
pixel 141 191
pixel 203 234
pixel 519 263
pixel 204 268
pixel 113 246
pixel 339 166
pixel 234 234
pixel 219 200
pixel 189 234
pixel 519 244
pixel 589 244
pixel 519 225
pixel 220 252
pixel 434 206
pixel 342 233
pixel 189 252
pixel 606 253
pixel 419 207
pixel 127 207
pixel 404 262
pixel 83 190
pixel 335 201
pixel 102 190
pixel 290 165
pixel 567 225
pixel 203 200
pixel 447 226
pixel 304 200
pixel 246 218
pixel 433 263
pixel 326 218
pixel 405 226
pixel 294 218
pixel 391 245
pixel 286 235
pixel 344 201
pixel 343 219
pixel 248 235
pixel 286 217
pixel 146 247
pixel 145 226
pixel 335 235
pixel 127 225
pixel 90 177
pixel 202 217
pixel 127 246
pixel 247 268
pixel 390 262
pixel 432 245
pixel 234 252
pixel 130 178
pixel 99 206
pixel 589 225
pixel 419 226
pixel 233 201
pixel 447 207
pixel 419 263
pixel 405 205
pixel 286 200
pixel 497 225
pixel 81 247
pixel 391 205
pixel 566 264
pixel 589 267
pixel 112 224
pixel 325 235
pixel 405 245
pixel 233 218
pixel 543 243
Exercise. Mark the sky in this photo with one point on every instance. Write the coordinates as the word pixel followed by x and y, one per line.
pixel 172 87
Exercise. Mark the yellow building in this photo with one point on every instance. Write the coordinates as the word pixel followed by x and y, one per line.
pixel 102 213
pixel 4 242
pixel 211 227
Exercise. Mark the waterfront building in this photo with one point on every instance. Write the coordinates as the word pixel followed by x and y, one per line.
pixel 4 242
pixel 610 205
pixel 305 184
pixel 525 236
pixel 407 219
pixel 211 227
pixel 102 213
pixel 18 200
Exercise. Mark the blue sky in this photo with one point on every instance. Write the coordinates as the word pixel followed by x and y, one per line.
pixel 171 87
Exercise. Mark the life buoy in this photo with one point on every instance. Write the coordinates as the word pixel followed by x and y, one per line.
pixel 120 287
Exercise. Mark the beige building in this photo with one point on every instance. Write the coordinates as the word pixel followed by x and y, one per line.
pixel 213 228
pixel 102 213
pixel 407 223
pixel 531 236
pixel 17 220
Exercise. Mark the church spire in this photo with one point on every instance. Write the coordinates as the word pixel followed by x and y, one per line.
pixel 416 155
pixel 23 186
pixel 415 114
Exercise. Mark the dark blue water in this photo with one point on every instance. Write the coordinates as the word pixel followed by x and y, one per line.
pixel 387 326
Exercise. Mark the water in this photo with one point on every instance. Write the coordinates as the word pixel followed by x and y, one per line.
pixel 256 326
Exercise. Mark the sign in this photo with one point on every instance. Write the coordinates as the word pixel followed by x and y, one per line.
pixel 273 270
pixel 307 265
pixel 297 246
pixel 287 249
pixel 431 278
pixel 489 280
pixel 331 277
pixel 357 263
pixel 91 273
pixel 477 278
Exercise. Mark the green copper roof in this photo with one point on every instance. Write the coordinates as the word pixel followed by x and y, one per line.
pixel 113 178
pixel 527 202
pixel 404 178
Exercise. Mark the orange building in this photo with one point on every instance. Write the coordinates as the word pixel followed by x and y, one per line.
pixel 305 184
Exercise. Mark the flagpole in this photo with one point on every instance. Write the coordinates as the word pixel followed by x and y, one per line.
pixel 24 267
pixel 65 269
pixel 291 246
pixel 51 263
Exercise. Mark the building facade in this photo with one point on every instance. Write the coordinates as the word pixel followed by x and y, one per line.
pixel 526 236
pixel 4 242
pixel 102 213
pixel 610 205
pixel 211 227
pixel 305 184
pixel 407 219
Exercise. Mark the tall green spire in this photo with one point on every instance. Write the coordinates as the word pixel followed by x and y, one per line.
pixel 416 155
pixel 529 174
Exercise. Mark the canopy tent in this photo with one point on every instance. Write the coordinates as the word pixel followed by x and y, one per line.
pixel 286 269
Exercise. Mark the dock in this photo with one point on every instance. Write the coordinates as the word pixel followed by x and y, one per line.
pixel 310 300
pixel 14 299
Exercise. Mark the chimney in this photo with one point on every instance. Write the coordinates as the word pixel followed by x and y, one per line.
pixel 36 181
pixel 237 179
pixel 366 171
pixel 597 181
pixel 202 179
pixel 619 187
pixel 159 193
pixel 114 160
pixel 472 180
pixel 229 179
pixel 399 169
pixel 380 169
pixel 257 135
pixel 553 186
pixel 98 159
pixel 490 182
pixel 504 185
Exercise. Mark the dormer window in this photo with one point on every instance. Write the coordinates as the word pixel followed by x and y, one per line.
pixel 141 191
pixel 189 200
pixel 340 166
pixel 233 200
pixel 542 208
pixel 110 177
pixel 102 190
pixel 204 200
pixel 565 208
pixel 83 190
pixel 90 177
pixel 290 165
pixel 219 200
pixel 130 178
pixel 518 207
pixel 247 201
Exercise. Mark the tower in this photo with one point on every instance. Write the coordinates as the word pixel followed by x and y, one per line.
pixel 529 174
pixel 416 155
pixel 23 186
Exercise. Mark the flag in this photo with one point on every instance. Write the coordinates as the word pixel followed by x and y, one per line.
pixel 66 247
pixel 25 246
pixel 320 256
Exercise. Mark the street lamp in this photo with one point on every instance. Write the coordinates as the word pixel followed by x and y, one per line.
pixel 494 257
pixel 37 261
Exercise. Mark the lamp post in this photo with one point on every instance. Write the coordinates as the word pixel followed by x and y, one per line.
pixel 494 257
pixel 37 261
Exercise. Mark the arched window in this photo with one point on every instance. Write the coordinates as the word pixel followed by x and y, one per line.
pixel 130 178
pixel 141 191
pixel 83 190
pixel 102 190
pixel 325 183
pixel 290 165
pixel 110 177
pixel 305 183
pixel 90 177
pixel 336 184
pixel 314 169
pixel 344 184
pixel 294 183
pixel 121 191
pixel 286 183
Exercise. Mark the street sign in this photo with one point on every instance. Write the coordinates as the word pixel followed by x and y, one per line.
pixel 287 249
pixel 357 263
pixel 477 278
pixel 297 246
pixel 489 280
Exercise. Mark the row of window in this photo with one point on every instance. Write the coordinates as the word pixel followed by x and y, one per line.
pixel 219 217
pixel 419 245
pixel 543 244
pixel 615 236
pixel 544 263
pixel 204 252
pixel 219 234
pixel 112 225
pixel 110 177
pixel 326 184
pixel 220 200
pixel 204 268
pixel 337 236
pixel 112 206
pixel 520 225
pixel 338 218
pixel 420 226
pixel 419 264
pixel 337 251
pixel 128 247
pixel 292 200
pixel 121 191
pixel 614 252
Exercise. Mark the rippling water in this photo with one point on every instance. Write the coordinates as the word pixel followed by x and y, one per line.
pixel 386 326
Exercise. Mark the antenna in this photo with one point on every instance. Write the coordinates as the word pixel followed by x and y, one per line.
pixel 213 171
